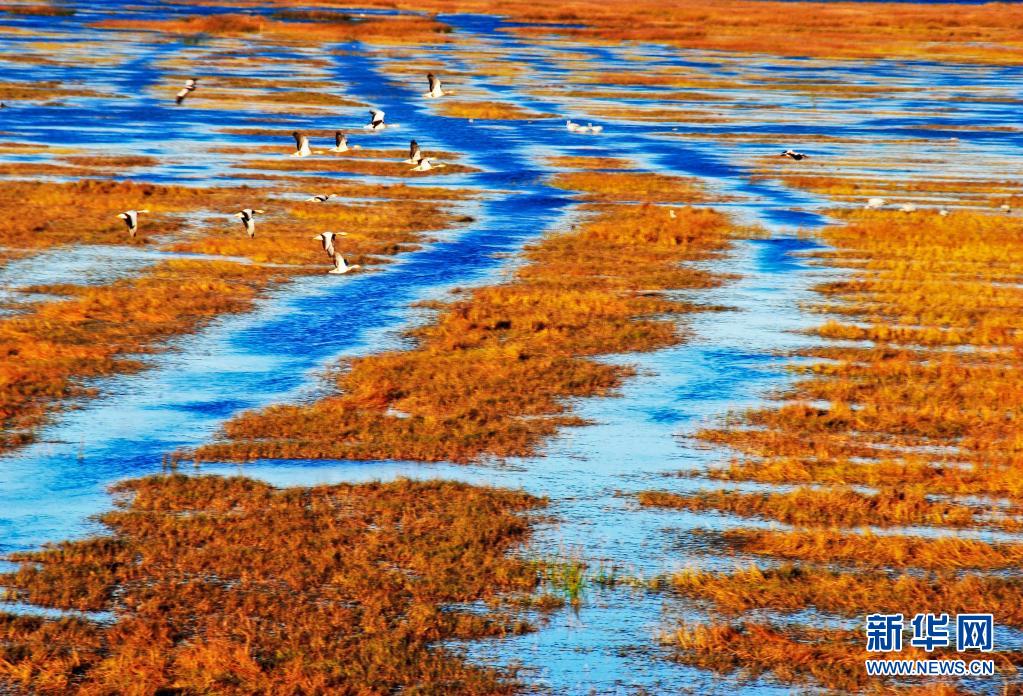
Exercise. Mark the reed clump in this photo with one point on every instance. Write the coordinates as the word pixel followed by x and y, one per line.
pixel 829 658
pixel 226 585
pixel 489 376
pixel 791 588
pixel 97 330
pixel 824 507
pixel 915 393
pixel 642 186
pixel 487 110
pixel 397 29
pixel 868 550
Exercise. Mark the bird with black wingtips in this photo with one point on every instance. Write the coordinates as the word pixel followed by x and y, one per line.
pixel 186 90
pixel 131 220
pixel 320 198
pixel 376 120
pixel 248 218
pixel 327 240
pixel 793 155
pixel 435 89
pixel 425 164
pixel 414 153
pixel 302 145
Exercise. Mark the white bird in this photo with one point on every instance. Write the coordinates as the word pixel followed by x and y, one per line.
pixel 320 198
pixel 875 203
pixel 943 212
pixel 248 218
pixel 341 143
pixel 415 155
pixel 671 213
pixel 908 208
pixel 302 143
pixel 186 90
pixel 425 165
pixel 435 91
pixel 793 155
pixel 1006 208
pixel 131 219
pixel 327 240
pixel 589 128
pixel 376 120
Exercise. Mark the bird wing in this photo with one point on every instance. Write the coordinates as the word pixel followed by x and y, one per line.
pixel 413 149
pixel 328 244
pixel 339 138
pixel 376 115
pixel 298 139
pixel 434 82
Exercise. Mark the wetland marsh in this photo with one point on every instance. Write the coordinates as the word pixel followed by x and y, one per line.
pixel 638 409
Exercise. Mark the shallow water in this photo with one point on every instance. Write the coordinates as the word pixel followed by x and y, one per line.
pixel 48 491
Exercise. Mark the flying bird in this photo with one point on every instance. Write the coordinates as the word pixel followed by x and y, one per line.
pixel 327 240
pixel 875 203
pixel 131 219
pixel 435 91
pixel 320 198
pixel 302 143
pixel 793 155
pixel 414 153
pixel 376 120
pixel 908 208
pixel 186 90
pixel 572 127
pixel 341 143
pixel 425 164
pixel 248 218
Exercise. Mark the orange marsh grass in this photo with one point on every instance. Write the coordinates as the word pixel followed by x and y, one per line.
pixel 898 412
pixel 228 586
pixel 51 346
pixel 489 375
pixel 794 587
pixel 829 658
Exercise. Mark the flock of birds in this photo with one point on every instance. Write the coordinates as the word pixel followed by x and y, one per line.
pixel 247 216
pixel 421 163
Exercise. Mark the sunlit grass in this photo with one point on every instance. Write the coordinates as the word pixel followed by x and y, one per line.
pixel 228 586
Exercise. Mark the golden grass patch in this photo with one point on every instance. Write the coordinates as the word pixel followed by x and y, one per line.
pixel 228 586
pixel 489 376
